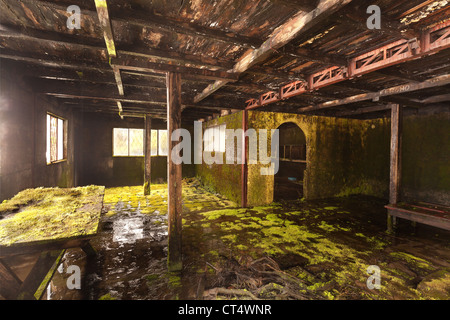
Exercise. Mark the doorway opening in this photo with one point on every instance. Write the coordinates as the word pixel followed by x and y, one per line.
pixel 288 184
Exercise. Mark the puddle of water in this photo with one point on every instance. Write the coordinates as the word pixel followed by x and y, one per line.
pixel 128 230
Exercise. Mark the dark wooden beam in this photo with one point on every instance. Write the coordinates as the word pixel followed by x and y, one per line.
pixel 304 5
pixel 356 17
pixel 127 61
pixel 174 208
pixel 96 91
pixel 282 36
pixel 123 17
pixel 397 90
pixel 134 63
pixel 395 160
pixel 138 49
pixel 244 160
pixel 360 111
pixel 45 262
pixel 9 282
pixel 105 23
pixel 118 80
pixel 436 99
pixel 148 155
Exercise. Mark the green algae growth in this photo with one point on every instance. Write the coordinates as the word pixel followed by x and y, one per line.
pixel 43 214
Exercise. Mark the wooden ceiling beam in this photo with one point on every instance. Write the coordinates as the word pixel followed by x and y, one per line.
pixel 356 17
pixel 125 17
pixel 124 62
pixel 304 5
pixel 281 36
pixel 359 111
pixel 397 90
pixel 105 23
pixel 138 64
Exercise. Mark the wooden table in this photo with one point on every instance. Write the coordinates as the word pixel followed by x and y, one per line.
pixel 425 213
pixel 41 230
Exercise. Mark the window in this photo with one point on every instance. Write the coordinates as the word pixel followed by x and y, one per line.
pixel 128 142
pixel 56 139
pixel 159 143
pixel 163 143
pixel 214 139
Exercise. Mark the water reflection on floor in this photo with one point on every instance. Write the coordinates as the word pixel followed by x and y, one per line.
pixel 131 246
pixel 326 244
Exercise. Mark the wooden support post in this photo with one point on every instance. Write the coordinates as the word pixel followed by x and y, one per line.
pixel 88 249
pixel 148 154
pixel 395 162
pixel 244 167
pixel 9 282
pixel 47 261
pixel 174 261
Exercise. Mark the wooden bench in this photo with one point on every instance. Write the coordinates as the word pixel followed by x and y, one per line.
pixel 46 232
pixel 426 213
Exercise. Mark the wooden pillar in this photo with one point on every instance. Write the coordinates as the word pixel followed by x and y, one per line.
pixel 147 154
pixel 244 167
pixel 174 261
pixel 395 161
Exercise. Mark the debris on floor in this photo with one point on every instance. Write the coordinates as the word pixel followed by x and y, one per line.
pixel 290 250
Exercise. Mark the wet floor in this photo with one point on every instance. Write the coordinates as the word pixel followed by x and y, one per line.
pixel 289 250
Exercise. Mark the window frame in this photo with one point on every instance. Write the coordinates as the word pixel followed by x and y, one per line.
pixel 49 139
pixel 158 144
pixel 128 144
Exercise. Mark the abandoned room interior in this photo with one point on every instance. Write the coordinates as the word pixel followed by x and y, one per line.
pixel 228 149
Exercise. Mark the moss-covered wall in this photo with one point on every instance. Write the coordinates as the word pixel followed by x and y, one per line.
pixel 223 178
pixel 426 158
pixel 344 156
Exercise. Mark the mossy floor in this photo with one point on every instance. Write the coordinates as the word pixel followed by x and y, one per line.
pixel 326 245
pixel 45 214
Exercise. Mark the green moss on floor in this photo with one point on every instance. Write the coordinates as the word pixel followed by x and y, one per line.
pixel 194 199
pixel 322 239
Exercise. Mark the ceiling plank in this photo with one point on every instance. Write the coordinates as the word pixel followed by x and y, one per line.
pixel 135 63
pixel 282 36
pixel 305 5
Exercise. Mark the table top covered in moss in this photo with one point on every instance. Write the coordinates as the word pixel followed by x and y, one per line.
pixel 43 215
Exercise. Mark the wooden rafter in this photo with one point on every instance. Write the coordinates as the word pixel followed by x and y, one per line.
pixel 282 36
pixel 401 89
pixel 103 17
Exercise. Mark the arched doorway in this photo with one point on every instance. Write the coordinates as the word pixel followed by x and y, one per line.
pixel 289 178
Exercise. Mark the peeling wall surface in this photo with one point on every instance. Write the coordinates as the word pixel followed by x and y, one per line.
pixel 23 139
pixel 345 157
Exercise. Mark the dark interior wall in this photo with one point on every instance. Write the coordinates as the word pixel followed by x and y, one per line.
pixel 23 143
pixel 98 166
